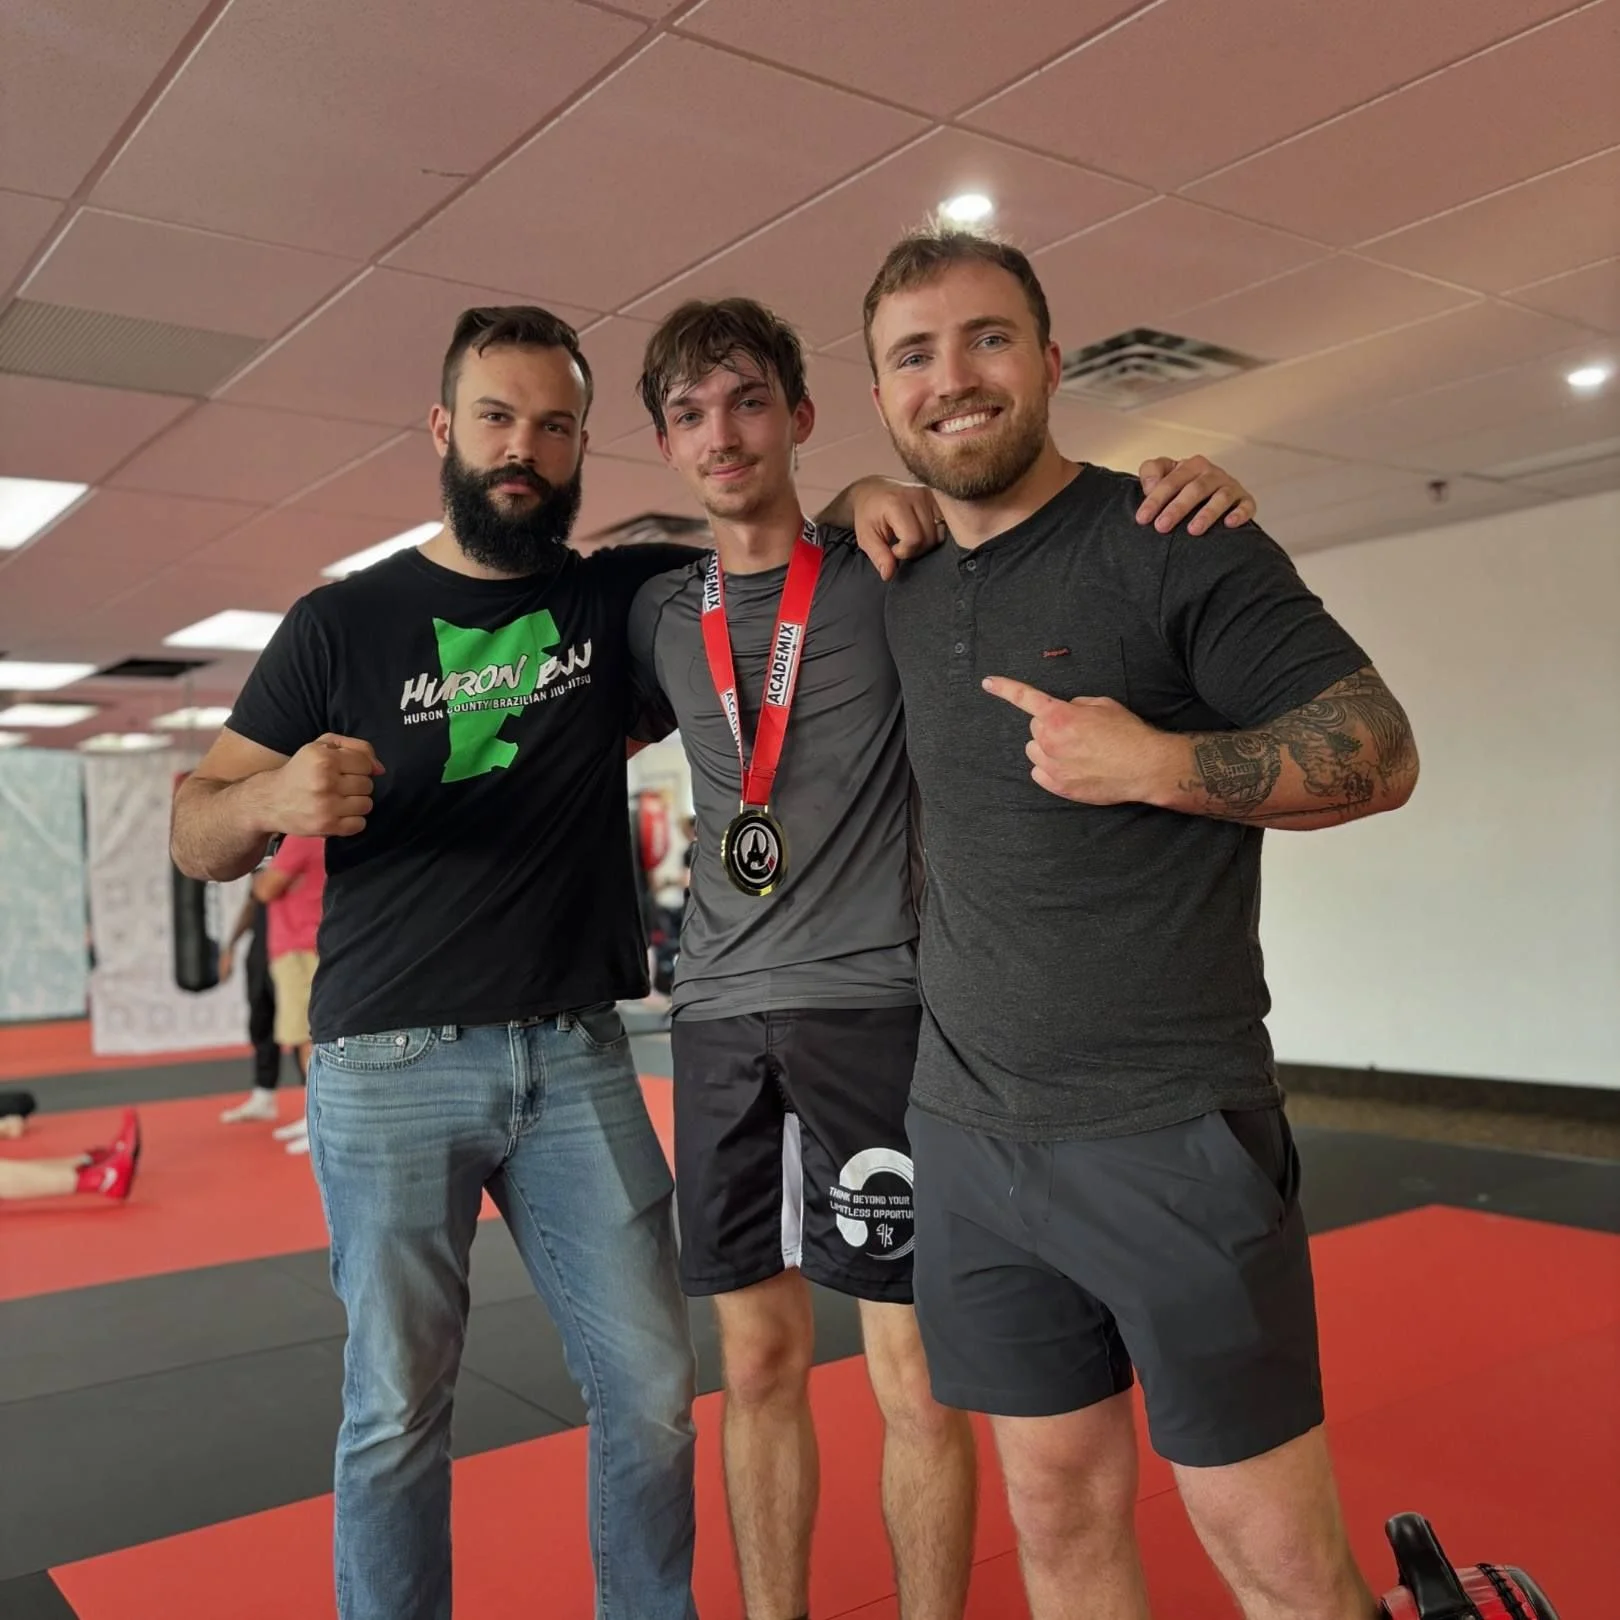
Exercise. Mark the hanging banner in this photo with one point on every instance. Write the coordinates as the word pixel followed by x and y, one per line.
pixel 44 956
pixel 136 1006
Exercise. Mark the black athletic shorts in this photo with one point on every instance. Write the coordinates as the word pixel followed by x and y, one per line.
pixel 1048 1269
pixel 790 1149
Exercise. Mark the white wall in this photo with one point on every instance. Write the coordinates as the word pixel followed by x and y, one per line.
pixel 1477 931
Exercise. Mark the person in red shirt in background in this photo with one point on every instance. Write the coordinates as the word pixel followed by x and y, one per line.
pixel 292 888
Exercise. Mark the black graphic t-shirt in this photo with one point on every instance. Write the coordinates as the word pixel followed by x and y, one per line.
pixel 493 880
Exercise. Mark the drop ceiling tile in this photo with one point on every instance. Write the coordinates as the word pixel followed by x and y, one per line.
pixel 115 527
pixel 1332 486
pixel 39 585
pixel 1144 267
pixel 374 353
pixel 842 393
pixel 75 71
pixel 617 490
pixel 236 452
pixel 1587 478
pixel 398 482
pixel 640 445
pixel 186 277
pixel 335 127
pixel 293 543
pixel 789 266
pixel 1270 403
pixel 837 465
pixel 1389 429
pixel 1402 511
pixel 1499 452
pixel 647 175
pixel 51 429
pixel 1526 233
pixel 878 49
pixel 25 222
pixel 1265 468
pixel 1482 125
pixel 1325 304
pixel 615 349
pixel 651 9
pixel 1193 84
pixel 1590 296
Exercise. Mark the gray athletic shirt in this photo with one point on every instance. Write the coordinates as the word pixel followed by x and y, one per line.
pixel 1085 970
pixel 840 929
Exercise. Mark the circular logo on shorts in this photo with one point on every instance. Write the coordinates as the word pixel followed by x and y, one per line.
pixel 871 1202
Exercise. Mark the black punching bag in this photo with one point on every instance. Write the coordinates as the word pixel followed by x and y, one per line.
pixel 196 952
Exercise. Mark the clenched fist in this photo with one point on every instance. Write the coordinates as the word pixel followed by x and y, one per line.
pixel 324 790
pixel 1092 750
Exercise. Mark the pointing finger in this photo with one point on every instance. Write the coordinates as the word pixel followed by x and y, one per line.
pixel 1020 695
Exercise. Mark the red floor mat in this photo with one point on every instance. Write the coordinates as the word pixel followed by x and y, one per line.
pixel 33 1051
pixel 207 1194
pixel 1424 1411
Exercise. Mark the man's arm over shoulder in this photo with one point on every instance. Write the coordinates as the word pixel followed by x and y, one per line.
pixel 650 717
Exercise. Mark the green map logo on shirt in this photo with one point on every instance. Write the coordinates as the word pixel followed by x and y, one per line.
pixel 487 676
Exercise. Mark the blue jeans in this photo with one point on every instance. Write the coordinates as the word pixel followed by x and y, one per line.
pixel 407 1129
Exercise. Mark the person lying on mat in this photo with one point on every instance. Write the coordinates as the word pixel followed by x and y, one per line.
pixel 105 1172
pixel 15 1107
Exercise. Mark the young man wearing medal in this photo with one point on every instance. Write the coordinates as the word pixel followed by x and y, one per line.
pixel 1101 723
pixel 796 1007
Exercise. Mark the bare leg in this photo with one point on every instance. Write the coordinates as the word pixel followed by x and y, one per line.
pixel 930 1469
pixel 39 1178
pixel 767 1342
pixel 1273 1528
pixel 1071 1485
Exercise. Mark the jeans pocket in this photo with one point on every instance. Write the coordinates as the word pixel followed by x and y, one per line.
pixel 387 1050
pixel 600 1027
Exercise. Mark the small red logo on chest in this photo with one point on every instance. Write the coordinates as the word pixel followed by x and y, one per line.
pixel 1056 652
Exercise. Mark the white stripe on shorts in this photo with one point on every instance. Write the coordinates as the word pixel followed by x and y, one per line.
pixel 792 1192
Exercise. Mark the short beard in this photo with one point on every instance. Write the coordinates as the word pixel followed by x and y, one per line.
pixel 986 472
pixel 520 542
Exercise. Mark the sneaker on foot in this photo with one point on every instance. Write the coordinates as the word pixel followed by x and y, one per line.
pixel 259 1104
pixel 299 1144
pixel 113 1176
pixel 291 1133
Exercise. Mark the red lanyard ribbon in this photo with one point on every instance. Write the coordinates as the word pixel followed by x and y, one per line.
pixel 782 668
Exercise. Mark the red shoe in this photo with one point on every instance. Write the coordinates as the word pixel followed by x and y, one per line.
pixel 113 1176
pixel 129 1134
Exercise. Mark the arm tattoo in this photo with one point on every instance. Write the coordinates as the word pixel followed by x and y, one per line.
pixel 1349 743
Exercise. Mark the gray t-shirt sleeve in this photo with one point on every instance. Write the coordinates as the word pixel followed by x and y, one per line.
pixel 650 717
pixel 1254 640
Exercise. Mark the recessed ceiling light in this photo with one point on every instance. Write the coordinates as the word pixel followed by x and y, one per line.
pixel 968 209
pixel 12 739
pixel 1589 377
pixel 192 719
pixel 25 677
pixel 27 505
pixel 124 742
pixel 47 714
pixel 383 548
pixel 235 630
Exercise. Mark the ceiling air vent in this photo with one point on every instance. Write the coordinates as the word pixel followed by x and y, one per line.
pixel 1141 367
pixel 118 351
pixel 151 669
pixel 648 529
